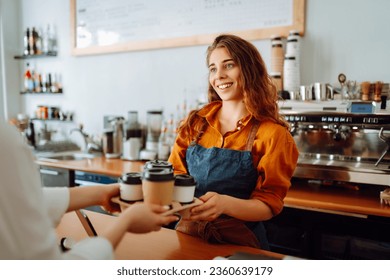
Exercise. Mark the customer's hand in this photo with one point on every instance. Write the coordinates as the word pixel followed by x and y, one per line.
pixel 109 191
pixel 144 218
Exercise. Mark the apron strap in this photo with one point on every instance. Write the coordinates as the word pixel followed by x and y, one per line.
pixel 252 135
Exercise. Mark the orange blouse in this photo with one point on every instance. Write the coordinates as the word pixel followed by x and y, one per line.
pixel 274 153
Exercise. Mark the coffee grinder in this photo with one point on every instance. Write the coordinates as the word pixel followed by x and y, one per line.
pixel 113 138
pixel 132 143
pixel 153 130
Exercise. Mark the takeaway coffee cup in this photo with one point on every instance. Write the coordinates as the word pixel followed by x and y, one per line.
pixel 184 188
pixel 158 164
pixel 131 187
pixel 157 185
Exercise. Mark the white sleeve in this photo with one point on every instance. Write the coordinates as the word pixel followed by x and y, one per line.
pixel 57 202
pixel 26 230
pixel 94 248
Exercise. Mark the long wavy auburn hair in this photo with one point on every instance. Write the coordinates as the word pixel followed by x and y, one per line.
pixel 260 94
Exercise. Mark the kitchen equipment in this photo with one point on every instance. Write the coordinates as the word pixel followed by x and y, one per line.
pixel 378 91
pixel 341 147
pixel 108 141
pixel 117 138
pixel 90 145
pixel 291 76
pixel 305 93
pixel 154 123
pixel 153 130
pixel 132 143
pixel 44 135
pixel 296 106
pixel 365 86
pixel 322 92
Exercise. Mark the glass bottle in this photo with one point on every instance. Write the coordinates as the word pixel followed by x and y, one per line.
pixel 164 147
pixel 28 79
pixel 26 42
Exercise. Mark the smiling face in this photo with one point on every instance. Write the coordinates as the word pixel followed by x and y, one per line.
pixel 224 75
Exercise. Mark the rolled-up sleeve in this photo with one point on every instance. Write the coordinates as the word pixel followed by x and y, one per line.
pixel 276 165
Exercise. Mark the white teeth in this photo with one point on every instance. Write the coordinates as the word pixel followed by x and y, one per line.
pixel 224 86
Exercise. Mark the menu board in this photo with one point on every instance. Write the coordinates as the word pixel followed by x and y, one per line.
pixel 100 26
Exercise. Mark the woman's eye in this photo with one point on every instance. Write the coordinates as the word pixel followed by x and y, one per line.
pixel 229 66
pixel 212 70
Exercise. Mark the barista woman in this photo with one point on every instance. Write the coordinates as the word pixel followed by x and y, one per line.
pixel 237 147
pixel 28 212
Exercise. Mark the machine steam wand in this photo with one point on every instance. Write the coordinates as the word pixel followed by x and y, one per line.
pixel 387 141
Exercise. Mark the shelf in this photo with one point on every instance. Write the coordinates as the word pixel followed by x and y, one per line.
pixel 52 120
pixel 41 93
pixel 49 54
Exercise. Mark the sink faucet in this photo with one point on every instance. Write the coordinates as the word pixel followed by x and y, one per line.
pixel 90 145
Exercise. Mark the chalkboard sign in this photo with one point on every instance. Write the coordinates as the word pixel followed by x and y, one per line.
pixel 101 26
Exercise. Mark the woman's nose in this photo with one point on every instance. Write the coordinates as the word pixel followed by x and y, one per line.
pixel 220 74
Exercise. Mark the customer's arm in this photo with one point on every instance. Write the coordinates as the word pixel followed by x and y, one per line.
pixel 139 218
pixel 59 200
pixel 81 197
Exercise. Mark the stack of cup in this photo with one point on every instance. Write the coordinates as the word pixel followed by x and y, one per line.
pixel 291 67
pixel 293 47
pixel 277 54
pixel 277 60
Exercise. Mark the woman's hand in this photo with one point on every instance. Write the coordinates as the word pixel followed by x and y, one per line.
pixel 211 209
pixel 144 218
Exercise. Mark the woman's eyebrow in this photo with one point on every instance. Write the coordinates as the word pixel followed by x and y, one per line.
pixel 226 60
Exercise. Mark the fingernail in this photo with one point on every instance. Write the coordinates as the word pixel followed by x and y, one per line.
pixel 167 207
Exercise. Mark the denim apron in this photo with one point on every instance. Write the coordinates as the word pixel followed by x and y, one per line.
pixel 226 171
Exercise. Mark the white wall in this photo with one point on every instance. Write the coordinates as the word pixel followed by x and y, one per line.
pixel 349 36
pixel 9 75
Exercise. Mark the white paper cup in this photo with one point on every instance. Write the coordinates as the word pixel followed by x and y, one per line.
pixel 131 187
pixel 184 188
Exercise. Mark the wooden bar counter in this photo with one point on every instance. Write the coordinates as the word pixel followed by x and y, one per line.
pixel 165 244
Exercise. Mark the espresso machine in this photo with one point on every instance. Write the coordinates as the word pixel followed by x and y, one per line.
pixel 340 146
